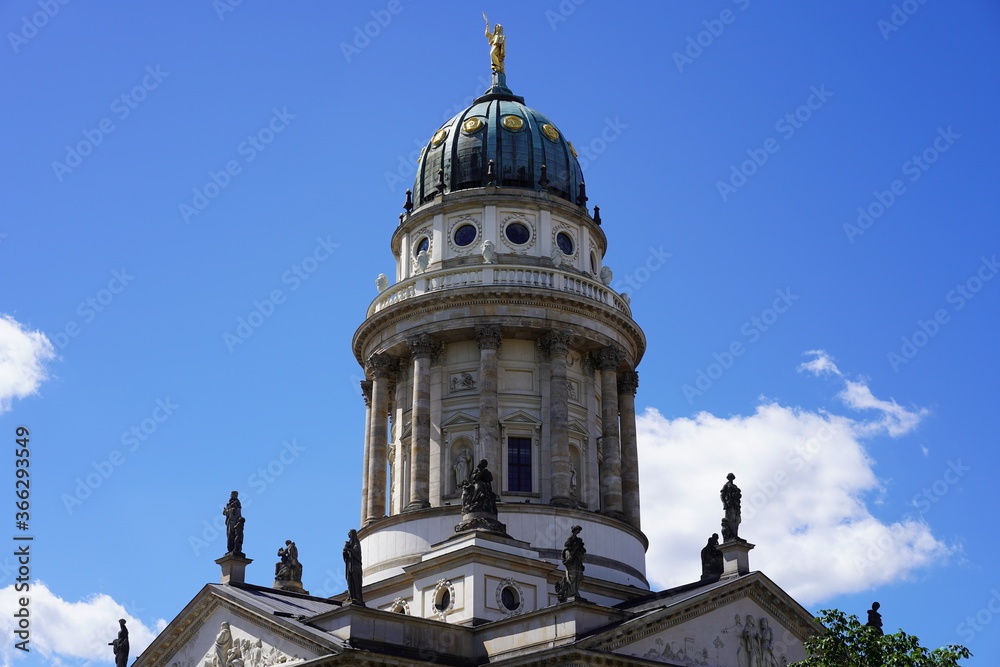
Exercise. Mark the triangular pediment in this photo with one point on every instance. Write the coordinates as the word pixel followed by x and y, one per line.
pixel 743 622
pixel 520 417
pixel 258 626
pixel 460 418
pixel 577 427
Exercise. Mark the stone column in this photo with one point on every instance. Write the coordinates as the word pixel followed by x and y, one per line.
pixel 366 394
pixel 489 340
pixel 397 499
pixel 380 367
pixel 556 345
pixel 628 382
pixel 421 347
pixel 608 359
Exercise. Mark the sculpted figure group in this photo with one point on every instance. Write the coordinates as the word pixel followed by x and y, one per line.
pixel 288 568
pixel 756 643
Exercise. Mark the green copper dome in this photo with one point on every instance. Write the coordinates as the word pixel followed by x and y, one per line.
pixel 519 140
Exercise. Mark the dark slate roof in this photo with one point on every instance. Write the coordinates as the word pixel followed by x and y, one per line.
pixel 518 139
pixel 293 608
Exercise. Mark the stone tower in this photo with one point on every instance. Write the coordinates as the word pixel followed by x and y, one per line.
pixel 500 340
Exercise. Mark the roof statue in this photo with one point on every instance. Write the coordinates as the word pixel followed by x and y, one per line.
pixel 498 48
pixel 120 645
pixel 875 618
pixel 233 511
pixel 731 496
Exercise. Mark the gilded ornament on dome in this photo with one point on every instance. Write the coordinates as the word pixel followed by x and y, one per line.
pixel 572 150
pixel 513 122
pixel 472 125
pixel 439 136
pixel 550 132
pixel 498 47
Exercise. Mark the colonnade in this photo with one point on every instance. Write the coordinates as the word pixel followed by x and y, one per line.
pixel 619 477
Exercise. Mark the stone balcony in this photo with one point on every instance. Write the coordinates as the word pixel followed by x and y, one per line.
pixel 489 275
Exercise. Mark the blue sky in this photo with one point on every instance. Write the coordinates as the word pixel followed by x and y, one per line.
pixel 799 199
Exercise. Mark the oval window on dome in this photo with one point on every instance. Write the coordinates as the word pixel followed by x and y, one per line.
pixel 439 136
pixel 465 235
pixel 423 245
pixel 565 242
pixel 517 233
pixel 443 601
pixel 472 125
pixel 513 123
pixel 550 132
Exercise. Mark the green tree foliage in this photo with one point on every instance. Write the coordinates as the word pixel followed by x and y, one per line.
pixel 848 643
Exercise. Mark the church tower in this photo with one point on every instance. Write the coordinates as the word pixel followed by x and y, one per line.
pixel 500 490
pixel 500 340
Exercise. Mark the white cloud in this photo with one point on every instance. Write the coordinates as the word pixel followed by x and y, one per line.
pixel 806 480
pixel 63 630
pixel 22 357
pixel 821 365
pixel 895 419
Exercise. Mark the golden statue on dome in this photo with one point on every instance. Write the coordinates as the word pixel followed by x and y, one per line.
pixel 498 50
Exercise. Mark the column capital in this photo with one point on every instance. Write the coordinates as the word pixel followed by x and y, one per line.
pixel 628 382
pixel 381 366
pixel 608 358
pixel 423 345
pixel 555 343
pixel 488 337
pixel 366 392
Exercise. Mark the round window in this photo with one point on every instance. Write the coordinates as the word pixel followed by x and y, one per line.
pixel 565 242
pixel 517 233
pixel 465 235
pixel 423 245
pixel 443 601
pixel 510 599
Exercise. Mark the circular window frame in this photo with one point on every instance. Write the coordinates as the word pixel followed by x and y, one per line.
pixel 399 606
pixel 513 585
pixel 454 224
pixel 461 226
pixel 524 220
pixel 442 588
pixel 572 241
pixel 524 244
pixel 421 239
